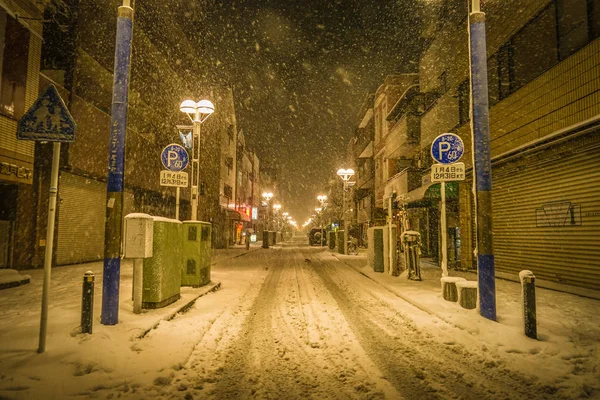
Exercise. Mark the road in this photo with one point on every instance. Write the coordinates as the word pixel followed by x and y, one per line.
pixel 313 327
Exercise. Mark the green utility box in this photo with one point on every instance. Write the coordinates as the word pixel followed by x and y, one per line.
pixel 331 240
pixel 195 269
pixel 378 252
pixel 162 272
pixel 273 238
pixel 341 241
pixel 375 249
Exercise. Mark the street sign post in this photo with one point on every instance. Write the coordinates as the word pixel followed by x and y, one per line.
pixel 175 159
pixel 446 149
pixel 48 120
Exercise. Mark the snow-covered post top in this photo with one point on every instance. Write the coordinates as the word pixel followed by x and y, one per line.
pixel 526 275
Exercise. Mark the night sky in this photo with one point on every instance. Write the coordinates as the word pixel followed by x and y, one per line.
pixel 300 71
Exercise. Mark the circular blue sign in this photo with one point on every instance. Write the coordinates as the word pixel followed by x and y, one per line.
pixel 174 157
pixel 447 148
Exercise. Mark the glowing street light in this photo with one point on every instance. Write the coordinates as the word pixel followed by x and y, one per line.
pixel 198 113
pixel 345 174
pixel 267 196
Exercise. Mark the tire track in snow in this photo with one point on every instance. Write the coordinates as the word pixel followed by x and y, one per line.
pixel 290 342
pixel 417 364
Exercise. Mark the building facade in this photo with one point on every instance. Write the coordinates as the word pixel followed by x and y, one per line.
pixel 247 185
pixel 81 67
pixel 544 81
pixel 20 54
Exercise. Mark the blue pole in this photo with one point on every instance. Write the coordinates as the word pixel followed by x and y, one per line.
pixel 482 166
pixel 116 162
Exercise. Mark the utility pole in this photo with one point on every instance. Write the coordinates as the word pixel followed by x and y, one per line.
pixel 482 166
pixel 116 164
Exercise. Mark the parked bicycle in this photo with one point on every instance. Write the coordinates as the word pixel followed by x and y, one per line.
pixel 352 246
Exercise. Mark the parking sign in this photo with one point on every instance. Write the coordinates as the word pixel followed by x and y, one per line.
pixel 447 148
pixel 174 157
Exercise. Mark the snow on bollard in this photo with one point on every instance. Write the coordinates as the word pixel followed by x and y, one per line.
pixel 467 294
pixel 87 302
pixel 529 312
pixel 449 292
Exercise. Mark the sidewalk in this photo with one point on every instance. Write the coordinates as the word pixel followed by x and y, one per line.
pixel 567 325
pixel 21 306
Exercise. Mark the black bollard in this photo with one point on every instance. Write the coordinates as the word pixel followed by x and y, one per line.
pixel 529 311
pixel 87 302
pixel 265 243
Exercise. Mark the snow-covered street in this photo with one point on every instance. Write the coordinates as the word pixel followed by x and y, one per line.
pixel 293 322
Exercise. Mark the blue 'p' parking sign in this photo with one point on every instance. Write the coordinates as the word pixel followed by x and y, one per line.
pixel 174 157
pixel 447 148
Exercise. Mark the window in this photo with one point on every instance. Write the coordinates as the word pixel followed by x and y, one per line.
pixel 593 19
pixel 227 191
pixel 229 164
pixel 14 39
pixel 493 82
pixel 230 133
pixel 504 60
pixel 535 47
pixel 384 123
pixel 443 83
pixel 572 19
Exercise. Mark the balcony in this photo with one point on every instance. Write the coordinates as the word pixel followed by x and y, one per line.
pixel 404 138
pixel 403 182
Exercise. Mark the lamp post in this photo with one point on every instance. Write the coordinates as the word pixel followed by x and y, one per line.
pixel 276 208
pixel 267 196
pixel 198 113
pixel 284 219
pixel 322 198
pixel 345 174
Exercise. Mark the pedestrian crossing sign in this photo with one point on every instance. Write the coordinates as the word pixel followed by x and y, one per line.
pixel 48 120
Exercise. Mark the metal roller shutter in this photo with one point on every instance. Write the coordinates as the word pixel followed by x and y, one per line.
pixel 80 236
pixel 547 213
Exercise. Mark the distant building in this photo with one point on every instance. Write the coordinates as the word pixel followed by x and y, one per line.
pixel 247 186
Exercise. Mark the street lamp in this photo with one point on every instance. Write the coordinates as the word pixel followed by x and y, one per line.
pixel 322 198
pixel 276 207
pixel 345 174
pixel 267 196
pixel 198 113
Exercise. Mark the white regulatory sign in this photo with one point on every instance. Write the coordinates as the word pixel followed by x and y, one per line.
pixel 448 172
pixel 176 179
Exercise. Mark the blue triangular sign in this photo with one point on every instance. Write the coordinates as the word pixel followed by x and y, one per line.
pixel 47 120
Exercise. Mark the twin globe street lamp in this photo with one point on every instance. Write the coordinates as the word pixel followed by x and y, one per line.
pixel 198 113
pixel 267 196
pixel 322 198
pixel 345 174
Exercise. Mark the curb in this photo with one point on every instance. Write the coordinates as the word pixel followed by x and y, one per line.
pixel 213 287
pixel 8 285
